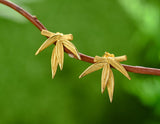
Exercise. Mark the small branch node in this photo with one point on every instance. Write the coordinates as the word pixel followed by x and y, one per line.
pixel 35 17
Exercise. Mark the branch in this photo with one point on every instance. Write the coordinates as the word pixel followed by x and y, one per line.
pixel 89 59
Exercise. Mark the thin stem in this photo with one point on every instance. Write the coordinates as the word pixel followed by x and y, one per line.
pixel 89 59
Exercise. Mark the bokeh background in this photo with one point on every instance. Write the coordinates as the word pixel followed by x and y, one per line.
pixel 28 95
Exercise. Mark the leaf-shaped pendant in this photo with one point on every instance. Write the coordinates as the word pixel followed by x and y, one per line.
pixel 110 85
pixel 54 62
pixel 107 79
pixel 47 43
pixel 60 53
pixel 118 66
pixel 105 76
pixel 72 48
pixel 47 33
pixel 91 69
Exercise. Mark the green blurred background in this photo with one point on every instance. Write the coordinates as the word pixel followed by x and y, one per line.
pixel 28 95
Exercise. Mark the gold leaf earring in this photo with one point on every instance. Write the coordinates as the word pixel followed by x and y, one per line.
pixel 107 78
pixel 61 41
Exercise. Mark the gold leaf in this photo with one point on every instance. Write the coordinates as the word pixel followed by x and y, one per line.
pixel 92 68
pixel 54 62
pixel 47 33
pixel 72 48
pixel 67 37
pixel 121 58
pixel 60 53
pixel 100 59
pixel 118 66
pixel 47 43
pixel 110 85
pixel 104 59
pixel 105 76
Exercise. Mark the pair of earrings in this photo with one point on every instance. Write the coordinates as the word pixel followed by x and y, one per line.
pixel 105 62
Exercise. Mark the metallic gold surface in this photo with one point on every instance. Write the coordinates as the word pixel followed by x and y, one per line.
pixel 107 78
pixel 61 41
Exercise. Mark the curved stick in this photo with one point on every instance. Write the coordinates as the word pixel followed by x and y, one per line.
pixel 40 26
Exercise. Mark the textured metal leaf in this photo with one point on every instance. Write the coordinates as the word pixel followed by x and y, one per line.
pixel 47 43
pixel 47 33
pixel 72 48
pixel 110 85
pixel 54 62
pixel 118 66
pixel 60 53
pixel 92 68
pixel 105 76
pixel 121 58
pixel 100 59
pixel 104 59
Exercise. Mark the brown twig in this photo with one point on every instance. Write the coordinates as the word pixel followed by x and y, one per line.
pixel 40 26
